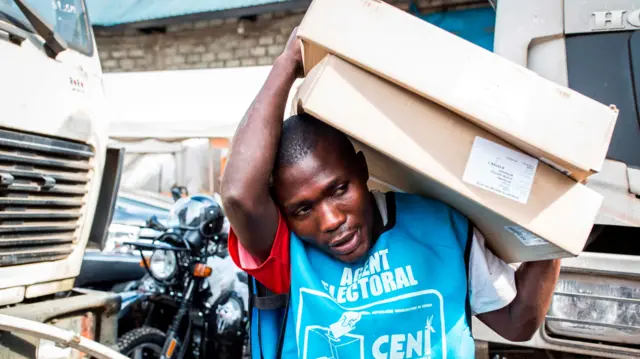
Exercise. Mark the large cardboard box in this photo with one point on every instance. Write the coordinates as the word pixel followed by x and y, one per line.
pixel 555 124
pixel 527 210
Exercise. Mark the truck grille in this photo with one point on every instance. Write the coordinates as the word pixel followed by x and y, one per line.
pixel 43 184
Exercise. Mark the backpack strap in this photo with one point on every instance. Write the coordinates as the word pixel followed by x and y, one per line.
pixel 250 284
pixel 467 264
pixel 283 328
pixel 262 299
pixel 271 302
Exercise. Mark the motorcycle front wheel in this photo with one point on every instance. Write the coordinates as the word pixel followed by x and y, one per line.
pixel 142 343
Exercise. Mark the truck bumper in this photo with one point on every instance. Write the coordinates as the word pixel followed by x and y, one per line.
pixel 92 314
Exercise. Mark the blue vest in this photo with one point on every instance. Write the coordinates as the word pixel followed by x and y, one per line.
pixel 408 298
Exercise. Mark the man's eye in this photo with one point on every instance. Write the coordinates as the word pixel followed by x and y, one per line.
pixel 302 211
pixel 340 190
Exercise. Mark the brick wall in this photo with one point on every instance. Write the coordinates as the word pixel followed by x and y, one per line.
pixel 216 43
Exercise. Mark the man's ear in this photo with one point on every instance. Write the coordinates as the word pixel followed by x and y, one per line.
pixel 363 169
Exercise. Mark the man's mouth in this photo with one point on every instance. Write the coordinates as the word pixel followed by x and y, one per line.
pixel 346 243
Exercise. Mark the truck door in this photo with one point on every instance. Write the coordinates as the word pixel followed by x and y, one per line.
pixel 606 67
pixel 634 48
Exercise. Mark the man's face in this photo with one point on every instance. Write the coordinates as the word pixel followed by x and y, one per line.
pixel 325 201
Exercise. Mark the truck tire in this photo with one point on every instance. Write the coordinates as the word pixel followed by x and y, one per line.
pixel 147 342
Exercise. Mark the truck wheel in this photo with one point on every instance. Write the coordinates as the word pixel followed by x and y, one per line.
pixel 142 343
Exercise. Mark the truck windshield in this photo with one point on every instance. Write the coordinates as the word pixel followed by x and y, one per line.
pixel 67 17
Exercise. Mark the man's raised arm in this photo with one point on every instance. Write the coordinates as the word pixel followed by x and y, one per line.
pixel 245 185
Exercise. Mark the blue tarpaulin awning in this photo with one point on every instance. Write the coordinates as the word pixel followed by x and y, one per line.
pixel 112 13
pixel 474 25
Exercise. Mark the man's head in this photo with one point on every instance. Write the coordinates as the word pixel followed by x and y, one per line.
pixel 320 185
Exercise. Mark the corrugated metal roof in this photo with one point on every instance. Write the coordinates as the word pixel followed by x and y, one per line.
pixel 118 12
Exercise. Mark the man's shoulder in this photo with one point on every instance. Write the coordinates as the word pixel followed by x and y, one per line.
pixel 425 213
pixel 415 202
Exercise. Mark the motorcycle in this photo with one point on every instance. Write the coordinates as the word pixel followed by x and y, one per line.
pixel 192 303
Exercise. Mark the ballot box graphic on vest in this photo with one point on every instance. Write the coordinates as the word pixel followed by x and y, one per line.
pixel 336 341
pixel 407 326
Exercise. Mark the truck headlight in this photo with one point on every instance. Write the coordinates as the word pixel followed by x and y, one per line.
pixel 118 234
pixel 163 264
pixel 599 308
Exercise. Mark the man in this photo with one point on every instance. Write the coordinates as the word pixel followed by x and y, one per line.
pixel 370 275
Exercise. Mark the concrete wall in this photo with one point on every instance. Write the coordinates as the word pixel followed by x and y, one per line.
pixel 217 43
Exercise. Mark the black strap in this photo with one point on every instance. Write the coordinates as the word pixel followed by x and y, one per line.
pixel 467 257
pixel 262 298
pixel 272 302
pixel 251 306
pixel 283 329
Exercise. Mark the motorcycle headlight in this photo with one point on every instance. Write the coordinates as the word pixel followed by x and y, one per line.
pixel 163 264
pixel 118 234
pixel 603 309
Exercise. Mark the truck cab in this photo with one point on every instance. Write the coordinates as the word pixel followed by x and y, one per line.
pixel 57 173
pixel 592 47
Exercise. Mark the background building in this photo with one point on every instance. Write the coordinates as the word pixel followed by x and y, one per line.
pixel 188 69
pixel 151 35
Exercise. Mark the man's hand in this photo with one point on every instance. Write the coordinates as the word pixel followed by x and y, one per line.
pixel 292 53
pixel 535 283
pixel 245 184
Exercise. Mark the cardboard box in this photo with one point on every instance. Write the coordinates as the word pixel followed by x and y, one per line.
pixel 527 210
pixel 555 124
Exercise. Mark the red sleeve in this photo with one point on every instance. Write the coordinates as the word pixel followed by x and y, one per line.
pixel 275 272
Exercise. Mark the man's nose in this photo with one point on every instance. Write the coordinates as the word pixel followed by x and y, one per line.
pixel 331 218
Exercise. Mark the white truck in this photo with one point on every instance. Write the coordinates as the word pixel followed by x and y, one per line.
pixel 58 178
pixel 592 46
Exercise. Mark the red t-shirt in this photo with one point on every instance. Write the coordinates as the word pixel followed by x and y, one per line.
pixel 275 272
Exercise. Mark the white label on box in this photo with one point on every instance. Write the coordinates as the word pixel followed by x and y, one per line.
pixel 527 238
pixel 500 170
pixel 556 166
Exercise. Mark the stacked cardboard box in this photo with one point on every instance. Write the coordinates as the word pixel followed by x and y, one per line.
pixel 439 116
pixel 557 125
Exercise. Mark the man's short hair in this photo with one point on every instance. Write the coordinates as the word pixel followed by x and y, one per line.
pixel 300 136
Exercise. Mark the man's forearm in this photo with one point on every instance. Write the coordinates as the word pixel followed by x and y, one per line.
pixel 245 184
pixel 535 283
pixel 256 140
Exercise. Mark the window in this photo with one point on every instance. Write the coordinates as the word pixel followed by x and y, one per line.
pixel 67 17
